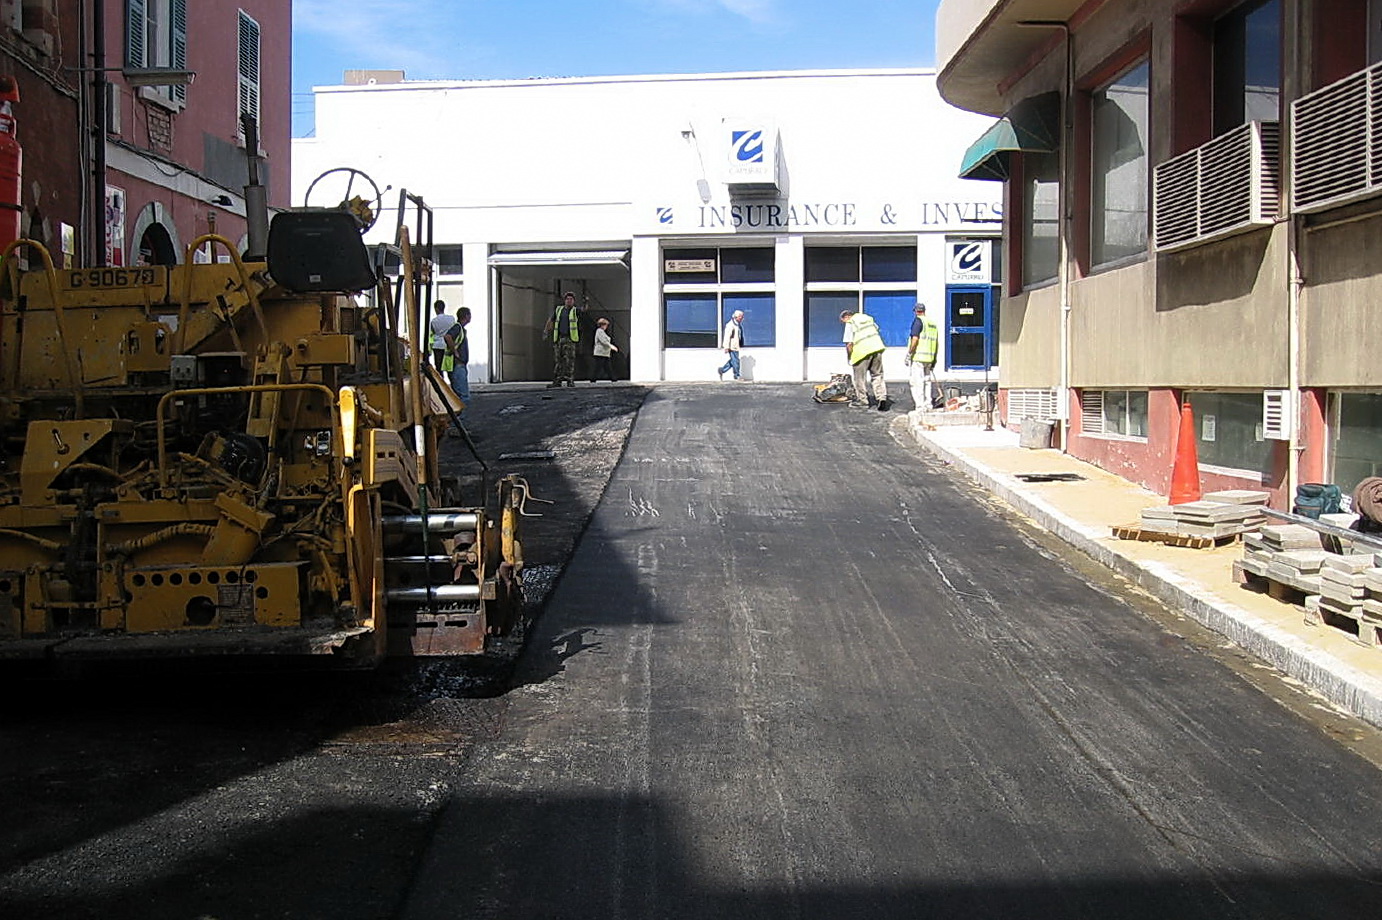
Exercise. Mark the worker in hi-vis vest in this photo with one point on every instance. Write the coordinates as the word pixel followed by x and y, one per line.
pixel 922 345
pixel 864 348
pixel 565 329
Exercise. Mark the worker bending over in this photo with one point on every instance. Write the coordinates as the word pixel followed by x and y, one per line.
pixel 864 347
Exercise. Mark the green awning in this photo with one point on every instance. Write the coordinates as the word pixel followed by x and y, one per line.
pixel 1031 126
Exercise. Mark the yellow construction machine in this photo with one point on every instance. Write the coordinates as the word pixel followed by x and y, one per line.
pixel 237 458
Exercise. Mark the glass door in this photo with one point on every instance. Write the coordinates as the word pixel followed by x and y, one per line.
pixel 969 328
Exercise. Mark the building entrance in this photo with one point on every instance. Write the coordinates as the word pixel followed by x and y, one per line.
pixel 527 287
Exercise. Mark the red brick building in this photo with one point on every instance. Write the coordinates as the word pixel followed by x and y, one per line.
pixel 136 163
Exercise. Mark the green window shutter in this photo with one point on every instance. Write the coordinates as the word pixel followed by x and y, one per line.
pixel 178 57
pixel 136 26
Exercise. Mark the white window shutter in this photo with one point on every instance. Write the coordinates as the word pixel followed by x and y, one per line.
pixel 1275 415
pixel 249 66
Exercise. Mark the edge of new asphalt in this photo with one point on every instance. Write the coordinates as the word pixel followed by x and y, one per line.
pixel 1342 684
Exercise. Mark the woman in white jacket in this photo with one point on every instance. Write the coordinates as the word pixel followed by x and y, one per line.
pixel 604 367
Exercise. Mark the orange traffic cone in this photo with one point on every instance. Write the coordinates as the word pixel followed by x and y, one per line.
pixel 1185 475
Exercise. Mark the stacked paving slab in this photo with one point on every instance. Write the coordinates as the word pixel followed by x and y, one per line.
pixel 1341 590
pixel 1216 515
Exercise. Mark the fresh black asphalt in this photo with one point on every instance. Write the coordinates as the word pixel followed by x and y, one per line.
pixel 796 669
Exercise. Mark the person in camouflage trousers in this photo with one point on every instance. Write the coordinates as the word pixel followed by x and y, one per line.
pixel 565 329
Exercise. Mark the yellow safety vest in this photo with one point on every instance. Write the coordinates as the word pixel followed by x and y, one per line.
pixel 928 342
pixel 867 340
pixel 573 328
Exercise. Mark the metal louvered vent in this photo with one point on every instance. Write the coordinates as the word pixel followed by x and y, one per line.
pixel 1276 415
pixel 1092 412
pixel 1336 136
pixel 1037 404
pixel 1230 185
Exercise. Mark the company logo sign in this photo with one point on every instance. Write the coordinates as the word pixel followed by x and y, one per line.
pixel 969 262
pixel 748 146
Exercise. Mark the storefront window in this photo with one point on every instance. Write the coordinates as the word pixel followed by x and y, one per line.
pixel 823 311
pixel 692 321
pixel 890 263
pixel 690 266
pixel 704 286
pixel 1119 193
pixel 760 317
pixel 843 278
pixel 746 266
pixel 1229 426
pixel 832 263
pixel 1357 446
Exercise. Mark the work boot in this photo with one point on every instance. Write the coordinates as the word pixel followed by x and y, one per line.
pixel 571 384
pixel 884 404
pixel 859 404
pixel 554 384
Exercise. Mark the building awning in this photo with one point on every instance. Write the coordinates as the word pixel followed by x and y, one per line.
pixel 565 257
pixel 1031 126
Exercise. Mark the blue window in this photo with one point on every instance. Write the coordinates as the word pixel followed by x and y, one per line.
pixel 760 318
pixel 746 266
pixel 823 311
pixel 893 311
pixel 692 321
pixel 890 263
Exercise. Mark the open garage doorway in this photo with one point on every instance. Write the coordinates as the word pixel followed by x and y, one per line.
pixel 528 285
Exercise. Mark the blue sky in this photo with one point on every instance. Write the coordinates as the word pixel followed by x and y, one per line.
pixel 505 39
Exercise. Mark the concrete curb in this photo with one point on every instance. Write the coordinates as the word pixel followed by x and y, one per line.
pixel 1340 683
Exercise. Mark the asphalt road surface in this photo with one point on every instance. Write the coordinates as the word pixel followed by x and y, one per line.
pixel 794 671
pixel 793 668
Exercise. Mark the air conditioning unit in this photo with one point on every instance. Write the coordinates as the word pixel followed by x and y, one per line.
pixel 1334 136
pixel 1230 185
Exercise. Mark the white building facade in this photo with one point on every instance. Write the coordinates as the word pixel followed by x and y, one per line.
pixel 668 202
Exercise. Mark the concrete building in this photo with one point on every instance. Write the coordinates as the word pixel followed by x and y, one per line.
pixel 667 202
pixel 1192 210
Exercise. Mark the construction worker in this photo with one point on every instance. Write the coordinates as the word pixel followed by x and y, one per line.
pixel 864 348
pixel 922 345
pixel 564 327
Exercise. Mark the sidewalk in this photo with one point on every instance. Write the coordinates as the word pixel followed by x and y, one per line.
pixel 1197 582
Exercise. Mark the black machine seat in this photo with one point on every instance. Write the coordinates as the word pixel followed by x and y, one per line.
pixel 319 249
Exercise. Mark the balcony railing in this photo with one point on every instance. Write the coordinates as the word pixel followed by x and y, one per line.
pixel 1336 139
pixel 1227 186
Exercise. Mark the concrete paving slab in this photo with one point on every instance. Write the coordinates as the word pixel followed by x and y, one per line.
pixel 1198 582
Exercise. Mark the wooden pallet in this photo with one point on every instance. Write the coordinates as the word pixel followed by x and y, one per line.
pixel 1135 532
pixel 1278 590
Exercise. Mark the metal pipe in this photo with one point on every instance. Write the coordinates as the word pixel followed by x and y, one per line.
pixel 445 523
pixel 434 594
pixel 101 103
pixel 256 195
pixel 1352 536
